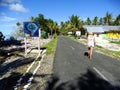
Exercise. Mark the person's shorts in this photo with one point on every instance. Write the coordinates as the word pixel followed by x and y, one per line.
pixel 90 47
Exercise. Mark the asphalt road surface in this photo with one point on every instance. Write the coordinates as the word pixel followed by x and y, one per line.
pixel 74 71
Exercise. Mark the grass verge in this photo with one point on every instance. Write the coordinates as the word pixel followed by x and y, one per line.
pixel 115 42
pixel 114 54
pixel 51 46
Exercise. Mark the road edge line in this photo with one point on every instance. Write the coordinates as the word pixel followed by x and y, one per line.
pixel 100 74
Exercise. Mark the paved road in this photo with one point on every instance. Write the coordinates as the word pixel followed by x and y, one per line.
pixel 74 71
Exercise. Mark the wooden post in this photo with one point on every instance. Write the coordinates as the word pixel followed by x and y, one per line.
pixel 39 41
pixel 38 45
pixel 25 40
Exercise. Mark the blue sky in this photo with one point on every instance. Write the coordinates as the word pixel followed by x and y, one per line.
pixel 12 11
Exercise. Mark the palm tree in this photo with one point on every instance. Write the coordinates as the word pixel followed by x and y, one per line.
pixel 19 32
pixel 117 20
pixel 43 23
pixel 108 18
pixel 40 19
pixel 55 27
pixel 75 21
pixel 62 25
pixel 1 36
pixel 101 21
pixel 32 19
pixel 18 23
pixel 95 21
pixel 50 26
pixel 68 26
pixel 88 21
pixel 62 28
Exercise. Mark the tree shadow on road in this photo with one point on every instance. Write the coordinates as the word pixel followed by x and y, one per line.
pixel 88 81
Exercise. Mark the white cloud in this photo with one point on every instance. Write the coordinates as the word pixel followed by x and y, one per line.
pixel 5 18
pixel 18 7
pixel 11 1
pixel 14 5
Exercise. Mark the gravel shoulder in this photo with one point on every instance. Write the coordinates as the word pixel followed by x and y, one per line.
pixel 44 74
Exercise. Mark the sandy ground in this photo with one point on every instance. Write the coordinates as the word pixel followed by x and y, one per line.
pixel 107 45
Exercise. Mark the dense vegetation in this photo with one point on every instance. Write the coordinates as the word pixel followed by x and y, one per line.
pixel 50 27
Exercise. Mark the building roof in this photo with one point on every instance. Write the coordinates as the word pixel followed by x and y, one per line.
pixel 107 28
pixel 100 29
pixel 95 29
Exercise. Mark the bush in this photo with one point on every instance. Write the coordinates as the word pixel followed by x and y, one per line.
pixel 1 36
pixel 44 34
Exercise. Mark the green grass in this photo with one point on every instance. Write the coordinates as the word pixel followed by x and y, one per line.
pixel 51 46
pixel 99 46
pixel 115 54
pixel 116 42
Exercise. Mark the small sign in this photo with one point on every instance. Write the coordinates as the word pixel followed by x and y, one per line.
pixel 31 29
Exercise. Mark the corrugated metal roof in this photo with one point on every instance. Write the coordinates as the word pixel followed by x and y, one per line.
pixel 95 29
pixel 100 29
pixel 107 28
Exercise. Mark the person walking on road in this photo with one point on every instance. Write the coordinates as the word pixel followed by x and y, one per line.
pixel 90 44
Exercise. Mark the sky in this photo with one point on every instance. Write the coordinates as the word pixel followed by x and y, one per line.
pixel 13 11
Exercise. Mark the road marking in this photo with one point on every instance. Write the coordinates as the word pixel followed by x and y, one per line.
pixel 100 74
pixel 72 47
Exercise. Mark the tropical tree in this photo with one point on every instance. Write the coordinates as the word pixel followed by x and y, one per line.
pixel 88 21
pixel 50 25
pixel 55 27
pixel 32 19
pixel 101 21
pixel 117 20
pixel 108 18
pixel 63 29
pixel 18 23
pixel 95 21
pixel 43 23
pixel 18 33
pixel 82 29
pixel 1 36
pixel 75 21
pixel 62 25
pixel 71 25
pixel 68 26
pixel 41 20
